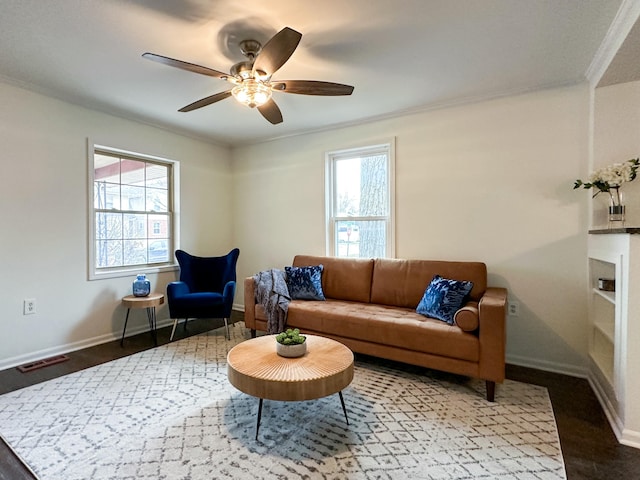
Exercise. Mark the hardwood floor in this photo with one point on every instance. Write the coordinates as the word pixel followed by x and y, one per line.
pixel 589 447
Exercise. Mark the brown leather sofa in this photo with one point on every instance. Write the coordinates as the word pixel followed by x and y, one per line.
pixel 371 308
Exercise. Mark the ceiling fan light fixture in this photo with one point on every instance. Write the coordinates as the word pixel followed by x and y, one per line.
pixel 251 79
pixel 252 93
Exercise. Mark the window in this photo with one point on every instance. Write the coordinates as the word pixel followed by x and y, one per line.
pixel 132 207
pixel 360 202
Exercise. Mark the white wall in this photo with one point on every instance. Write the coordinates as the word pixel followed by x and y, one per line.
pixel 616 139
pixel 43 245
pixel 491 181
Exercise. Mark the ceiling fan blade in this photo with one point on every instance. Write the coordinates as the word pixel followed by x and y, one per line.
pixel 312 87
pixel 271 112
pixel 276 51
pixel 191 67
pixel 206 101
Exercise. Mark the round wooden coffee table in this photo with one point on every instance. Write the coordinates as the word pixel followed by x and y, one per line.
pixel 254 367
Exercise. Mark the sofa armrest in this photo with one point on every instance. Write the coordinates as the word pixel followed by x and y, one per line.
pixel 250 303
pixel 493 334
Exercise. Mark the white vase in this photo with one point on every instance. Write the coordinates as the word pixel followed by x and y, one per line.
pixel 291 351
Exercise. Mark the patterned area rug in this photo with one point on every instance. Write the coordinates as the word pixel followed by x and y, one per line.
pixel 170 413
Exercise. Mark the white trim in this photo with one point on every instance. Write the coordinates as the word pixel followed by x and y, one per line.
pixel 125 271
pixel 391 233
pixel 622 24
pixel 609 410
pixel 79 345
pixel 631 438
pixel 579 371
pixel 238 307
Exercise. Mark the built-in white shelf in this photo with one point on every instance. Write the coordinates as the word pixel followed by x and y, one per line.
pixel 604 363
pixel 609 296
pixel 606 328
pixel 614 333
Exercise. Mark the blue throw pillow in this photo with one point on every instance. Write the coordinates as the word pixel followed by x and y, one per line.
pixel 443 298
pixel 305 283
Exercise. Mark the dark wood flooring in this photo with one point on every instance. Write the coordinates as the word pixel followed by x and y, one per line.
pixel 589 447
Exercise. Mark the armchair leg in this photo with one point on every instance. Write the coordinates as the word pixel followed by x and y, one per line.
pixel 173 330
pixel 226 324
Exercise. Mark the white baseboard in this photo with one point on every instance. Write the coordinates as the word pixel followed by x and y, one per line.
pixel 631 438
pixel 607 407
pixel 579 371
pixel 72 347
pixel 238 307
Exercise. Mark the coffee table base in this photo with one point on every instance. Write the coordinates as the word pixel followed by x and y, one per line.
pixel 344 409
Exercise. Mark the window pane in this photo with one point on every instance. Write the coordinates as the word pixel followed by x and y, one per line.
pixel 361 186
pixel 363 239
pixel 132 172
pixel 106 195
pixel 373 186
pixel 108 253
pixel 347 187
pixel 135 226
pixel 348 238
pixel 108 226
pixel 159 251
pixel 158 226
pixel 132 198
pixel 373 239
pixel 135 252
pixel 157 200
pixel 106 168
pixel 157 176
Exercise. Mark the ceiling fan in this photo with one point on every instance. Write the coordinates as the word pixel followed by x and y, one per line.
pixel 251 79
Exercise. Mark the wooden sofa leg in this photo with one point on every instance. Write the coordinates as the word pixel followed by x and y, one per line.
pixel 491 391
pixel 253 333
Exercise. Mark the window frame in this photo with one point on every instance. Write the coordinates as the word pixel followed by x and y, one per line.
pixel 387 147
pixel 95 273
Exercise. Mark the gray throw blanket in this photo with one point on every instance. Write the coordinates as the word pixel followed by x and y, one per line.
pixel 272 293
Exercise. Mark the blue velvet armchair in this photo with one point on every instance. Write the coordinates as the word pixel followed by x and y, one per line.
pixel 206 288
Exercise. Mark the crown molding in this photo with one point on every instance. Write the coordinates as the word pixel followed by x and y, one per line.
pixel 622 24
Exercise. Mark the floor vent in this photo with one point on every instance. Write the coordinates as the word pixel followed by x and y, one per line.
pixel 27 367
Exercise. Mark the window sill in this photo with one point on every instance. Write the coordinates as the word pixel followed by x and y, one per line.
pixel 133 271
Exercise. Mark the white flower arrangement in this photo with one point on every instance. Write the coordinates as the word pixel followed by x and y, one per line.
pixel 611 177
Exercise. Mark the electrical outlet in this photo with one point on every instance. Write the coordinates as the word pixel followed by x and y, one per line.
pixel 514 308
pixel 29 306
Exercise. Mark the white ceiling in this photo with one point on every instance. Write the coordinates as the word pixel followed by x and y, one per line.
pixel 400 55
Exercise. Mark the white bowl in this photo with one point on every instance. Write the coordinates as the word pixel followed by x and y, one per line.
pixel 291 351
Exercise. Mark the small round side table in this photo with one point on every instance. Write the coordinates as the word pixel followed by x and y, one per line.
pixel 150 302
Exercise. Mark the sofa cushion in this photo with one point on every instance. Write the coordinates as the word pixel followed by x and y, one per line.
pixel 402 282
pixel 380 324
pixel 305 283
pixel 468 318
pixel 443 298
pixel 342 278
